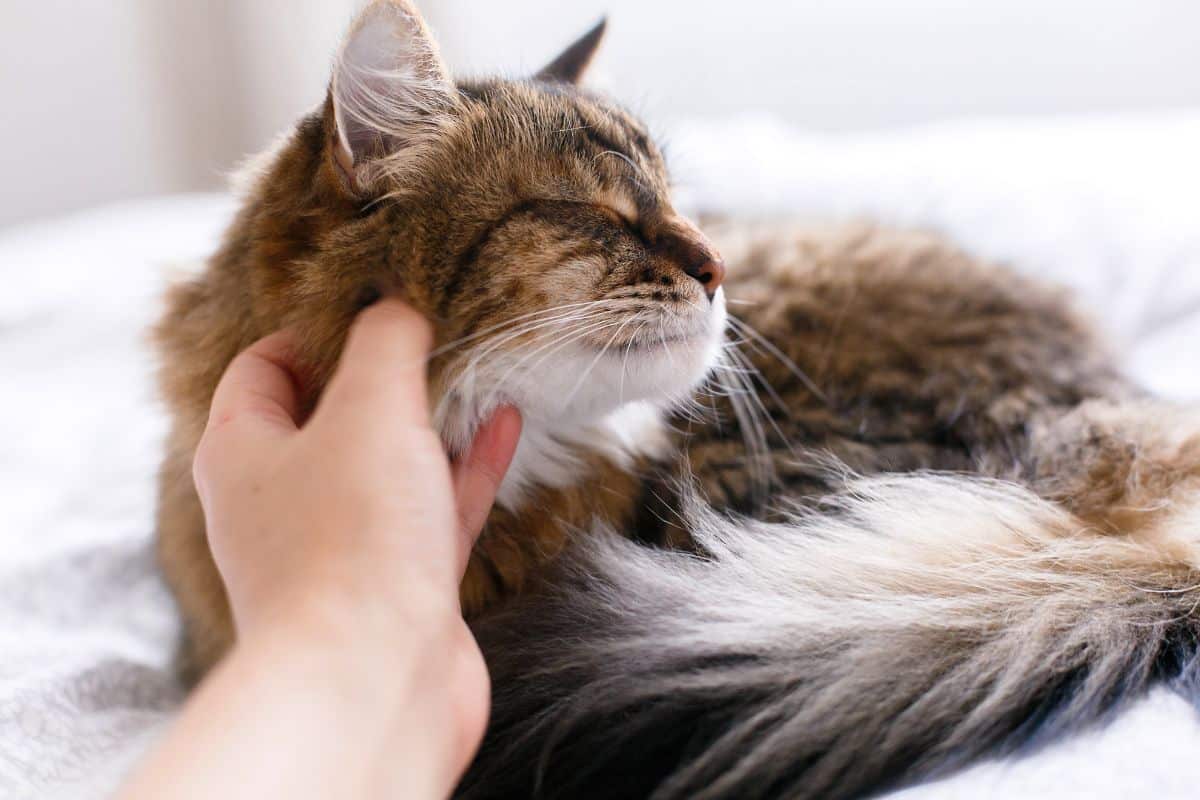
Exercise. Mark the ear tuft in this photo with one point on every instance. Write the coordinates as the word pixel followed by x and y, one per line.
pixel 571 64
pixel 389 85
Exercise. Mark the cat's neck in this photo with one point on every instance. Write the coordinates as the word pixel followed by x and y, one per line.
pixel 556 456
pixel 563 481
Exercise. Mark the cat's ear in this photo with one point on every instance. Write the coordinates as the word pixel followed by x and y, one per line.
pixel 389 87
pixel 573 62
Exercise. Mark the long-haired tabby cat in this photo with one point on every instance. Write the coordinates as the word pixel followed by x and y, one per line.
pixel 912 516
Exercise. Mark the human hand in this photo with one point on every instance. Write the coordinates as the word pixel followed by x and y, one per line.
pixel 353 530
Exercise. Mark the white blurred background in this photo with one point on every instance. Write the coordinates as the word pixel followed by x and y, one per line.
pixel 108 99
pixel 1061 136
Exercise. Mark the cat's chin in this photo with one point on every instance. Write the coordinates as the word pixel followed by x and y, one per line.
pixel 608 399
pixel 662 365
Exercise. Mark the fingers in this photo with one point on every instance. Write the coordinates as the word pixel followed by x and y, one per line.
pixel 259 386
pixel 382 372
pixel 258 397
pixel 477 476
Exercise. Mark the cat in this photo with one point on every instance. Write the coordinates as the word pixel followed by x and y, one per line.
pixel 904 514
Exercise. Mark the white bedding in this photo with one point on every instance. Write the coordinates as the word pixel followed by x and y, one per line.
pixel 1107 206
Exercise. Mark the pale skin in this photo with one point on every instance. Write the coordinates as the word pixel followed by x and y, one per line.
pixel 341 539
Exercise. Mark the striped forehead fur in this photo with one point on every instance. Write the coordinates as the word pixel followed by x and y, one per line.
pixel 527 132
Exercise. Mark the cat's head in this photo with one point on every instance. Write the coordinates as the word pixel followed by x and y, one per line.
pixel 530 220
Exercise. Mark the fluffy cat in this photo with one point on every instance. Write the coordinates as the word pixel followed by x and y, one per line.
pixel 910 517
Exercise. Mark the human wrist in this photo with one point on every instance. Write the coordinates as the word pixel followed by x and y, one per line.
pixel 370 630
pixel 411 660
pixel 365 696
pixel 348 596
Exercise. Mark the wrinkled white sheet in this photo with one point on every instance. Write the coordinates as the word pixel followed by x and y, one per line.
pixel 1107 206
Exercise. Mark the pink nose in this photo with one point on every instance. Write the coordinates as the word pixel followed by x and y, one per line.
pixel 682 242
pixel 710 273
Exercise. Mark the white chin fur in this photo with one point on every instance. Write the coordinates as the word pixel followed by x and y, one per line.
pixel 578 398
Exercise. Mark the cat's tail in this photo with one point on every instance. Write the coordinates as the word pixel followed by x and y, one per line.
pixel 919 622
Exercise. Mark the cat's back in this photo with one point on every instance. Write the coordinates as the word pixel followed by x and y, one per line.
pixel 889 350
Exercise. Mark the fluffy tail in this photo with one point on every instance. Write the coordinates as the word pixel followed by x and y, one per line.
pixel 920 622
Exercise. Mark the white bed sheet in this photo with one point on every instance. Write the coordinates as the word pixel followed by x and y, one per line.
pixel 1106 206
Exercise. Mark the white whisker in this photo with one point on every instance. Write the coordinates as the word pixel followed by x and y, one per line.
pixel 772 350
pixel 596 360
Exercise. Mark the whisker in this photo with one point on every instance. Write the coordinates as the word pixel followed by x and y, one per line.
pixel 754 373
pixel 662 334
pixel 533 314
pixel 581 328
pixel 533 326
pixel 464 371
pixel 748 368
pixel 625 360
pixel 637 170
pixel 780 355
pixel 596 360
pixel 749 411
pixel 556 344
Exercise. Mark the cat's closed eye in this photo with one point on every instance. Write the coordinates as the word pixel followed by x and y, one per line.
pixel 625 218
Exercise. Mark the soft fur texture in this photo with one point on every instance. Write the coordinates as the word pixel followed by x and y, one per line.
pixel 529 220
pixel 905 627
pixel 880 616
pixel 907 514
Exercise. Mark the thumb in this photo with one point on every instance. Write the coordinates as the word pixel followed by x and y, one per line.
pixel 478 475
pixel 255 403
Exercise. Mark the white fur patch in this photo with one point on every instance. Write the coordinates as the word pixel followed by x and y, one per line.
pixel 546 458
pixel 584 399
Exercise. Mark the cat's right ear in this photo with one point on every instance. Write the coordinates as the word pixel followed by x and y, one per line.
pixel 572 63
pixel 390 90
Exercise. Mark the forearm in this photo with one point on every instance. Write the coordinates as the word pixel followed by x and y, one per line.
pixel 299 713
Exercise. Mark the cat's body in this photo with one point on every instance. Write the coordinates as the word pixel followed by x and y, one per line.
pixel 532 223
pixel 871 350
pixel 977 536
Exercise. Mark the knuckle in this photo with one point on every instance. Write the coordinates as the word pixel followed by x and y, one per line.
pixel 210 457
pixel 203 460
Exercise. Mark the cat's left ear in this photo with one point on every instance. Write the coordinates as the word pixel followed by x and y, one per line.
pixel 389 90
pixel 573 62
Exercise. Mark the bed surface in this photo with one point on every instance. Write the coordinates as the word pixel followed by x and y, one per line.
pixel 1106 206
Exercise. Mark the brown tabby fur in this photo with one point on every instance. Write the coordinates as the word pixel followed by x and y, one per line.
pixel 898 352
pixel 888 351
pixel 525 177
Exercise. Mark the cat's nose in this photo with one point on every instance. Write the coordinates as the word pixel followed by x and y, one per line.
pixel 681 241
pixel 710 273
